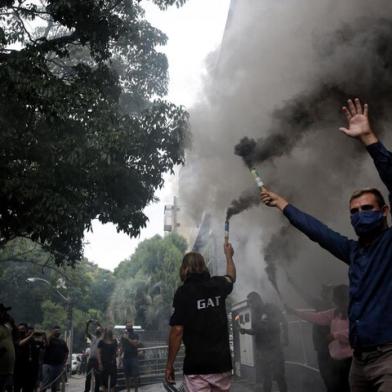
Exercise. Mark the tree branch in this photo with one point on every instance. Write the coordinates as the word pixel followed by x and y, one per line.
pixel 24 27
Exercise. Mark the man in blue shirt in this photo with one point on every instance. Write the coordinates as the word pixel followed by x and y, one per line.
pixel 369 259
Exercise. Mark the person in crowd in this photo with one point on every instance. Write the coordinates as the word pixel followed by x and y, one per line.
pixel 320 333
pixel 83 360
pixel 107 360
pixel 339 346
pixel 129 349
pixel 7 349
pixel 92 369
pixel 27 364
pixel 55 359
pixel 369 259
pixel 200 320
pixel 267 327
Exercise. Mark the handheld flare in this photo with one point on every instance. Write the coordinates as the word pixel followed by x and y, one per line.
pixel 257 178
pixel 227 228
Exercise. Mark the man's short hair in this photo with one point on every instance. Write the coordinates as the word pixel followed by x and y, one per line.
pixel 255 297
pixel 194 262
pixel 374 191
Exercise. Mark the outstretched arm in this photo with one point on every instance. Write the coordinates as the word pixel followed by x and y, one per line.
pixel 230 266
pixel 319 318
pixel 248 331
pixel 330 240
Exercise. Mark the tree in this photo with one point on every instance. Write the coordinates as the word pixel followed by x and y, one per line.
pixel 145 283
pixel 84 133
pixel 37 303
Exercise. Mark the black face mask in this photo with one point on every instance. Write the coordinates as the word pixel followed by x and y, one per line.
pixel 56 334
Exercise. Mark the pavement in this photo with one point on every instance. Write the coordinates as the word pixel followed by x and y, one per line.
pixel 76 384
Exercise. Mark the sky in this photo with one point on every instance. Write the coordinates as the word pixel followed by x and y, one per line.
pixel 194 30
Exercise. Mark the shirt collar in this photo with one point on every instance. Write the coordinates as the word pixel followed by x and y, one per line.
pixel 197 277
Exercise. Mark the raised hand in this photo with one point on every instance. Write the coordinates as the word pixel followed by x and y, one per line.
pixel 228 249
pixel 272 199
pixel 358 125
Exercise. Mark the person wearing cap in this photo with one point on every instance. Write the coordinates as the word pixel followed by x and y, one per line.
pixel 369 259
pixel 270 330
pixel 27 351
pixel 92 361
pixel 55 359
pixel 200 321
pixel 7 350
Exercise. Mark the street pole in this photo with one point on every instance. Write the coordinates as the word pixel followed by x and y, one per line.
pixel 69 309
pixel 70 329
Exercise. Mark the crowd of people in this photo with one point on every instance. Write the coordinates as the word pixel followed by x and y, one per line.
pixel 29 359
pixel 106 352
pixel 35 361
pixel 353 336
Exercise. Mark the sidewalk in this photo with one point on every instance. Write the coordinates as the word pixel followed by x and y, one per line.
pixel 238 386
pixel 76 384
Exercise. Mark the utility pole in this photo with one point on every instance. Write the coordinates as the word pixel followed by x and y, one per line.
pixel 69 310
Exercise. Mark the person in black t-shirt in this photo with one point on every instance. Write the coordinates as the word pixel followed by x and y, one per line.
pixel 27 350
pixel 92 361
pixel 200 321
pixel 268 324
pixel 128 345
pixel 107 360
pixel 55 359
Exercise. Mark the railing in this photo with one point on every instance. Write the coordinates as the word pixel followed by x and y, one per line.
pixel 152 365
pixel 59 380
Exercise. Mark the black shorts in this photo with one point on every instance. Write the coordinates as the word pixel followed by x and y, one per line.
pixel 131 367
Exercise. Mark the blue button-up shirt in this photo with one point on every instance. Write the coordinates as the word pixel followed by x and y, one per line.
pixel 370 267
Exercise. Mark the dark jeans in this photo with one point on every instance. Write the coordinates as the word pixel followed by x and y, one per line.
pixel 26 376
pixel 109 373
pixel 92 371
pixel 270 367
pixel 131 366
pixel 372 371
pixel 50 373
pixel 340 372
pixel 325 365
pixel 5 382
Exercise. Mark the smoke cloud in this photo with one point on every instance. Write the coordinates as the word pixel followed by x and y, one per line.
pixel 283 73
pixel 248 199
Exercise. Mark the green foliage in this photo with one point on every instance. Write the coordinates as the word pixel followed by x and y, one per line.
pixel 42 304
pixel 145 284
pixel 53 314
pixel 84 133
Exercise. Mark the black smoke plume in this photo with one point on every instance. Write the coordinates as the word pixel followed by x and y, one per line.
pixel 279 251
pixel 300 115
pixel 248 199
